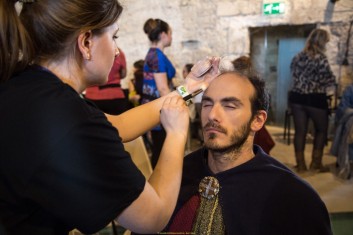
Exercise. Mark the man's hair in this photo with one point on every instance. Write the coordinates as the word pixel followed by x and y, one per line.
pixel 260 99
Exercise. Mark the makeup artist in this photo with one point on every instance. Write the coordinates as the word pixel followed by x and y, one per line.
pixel 62 163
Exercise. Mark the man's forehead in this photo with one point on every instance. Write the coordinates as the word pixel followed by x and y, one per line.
pixel 228 80
pixel 229 85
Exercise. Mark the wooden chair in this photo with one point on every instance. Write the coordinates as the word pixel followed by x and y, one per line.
pixel 139 155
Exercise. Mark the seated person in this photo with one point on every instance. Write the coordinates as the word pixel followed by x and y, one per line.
pixel 342 145
pixel 230 185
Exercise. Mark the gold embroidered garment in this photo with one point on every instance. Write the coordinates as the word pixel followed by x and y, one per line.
pixel 209 219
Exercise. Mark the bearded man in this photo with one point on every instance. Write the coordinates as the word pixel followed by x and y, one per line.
pixel 230 185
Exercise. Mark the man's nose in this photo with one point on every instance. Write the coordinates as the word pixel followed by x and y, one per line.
pixel 215 113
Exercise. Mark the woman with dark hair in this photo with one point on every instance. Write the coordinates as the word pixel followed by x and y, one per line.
pixel 62 163
pixel 312 75
pixel 158 74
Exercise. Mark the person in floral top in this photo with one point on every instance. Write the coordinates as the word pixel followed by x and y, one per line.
pixel 311 75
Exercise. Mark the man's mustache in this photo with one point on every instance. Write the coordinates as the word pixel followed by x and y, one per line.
pixel 215 126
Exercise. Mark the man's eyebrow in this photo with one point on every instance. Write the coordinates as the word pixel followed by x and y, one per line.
pixel 230 99
pixel 206 98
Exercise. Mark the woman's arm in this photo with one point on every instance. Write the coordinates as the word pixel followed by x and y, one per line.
pixel 162 83
pixel 135 122
pixel 151 211
pixel 327 77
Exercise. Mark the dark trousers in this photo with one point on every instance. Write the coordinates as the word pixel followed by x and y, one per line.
pixel 158 138
pixel 301 116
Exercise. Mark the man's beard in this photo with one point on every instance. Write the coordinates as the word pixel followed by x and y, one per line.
pixel 237 139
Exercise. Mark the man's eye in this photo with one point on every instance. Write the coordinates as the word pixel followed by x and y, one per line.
pixel 206 105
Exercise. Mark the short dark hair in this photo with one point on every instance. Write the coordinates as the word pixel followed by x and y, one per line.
pixel 260 100
pixel 242 63
pixel 188 67
pixel 138 64
pixel 242 66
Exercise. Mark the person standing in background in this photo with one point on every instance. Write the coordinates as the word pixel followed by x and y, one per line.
pixel 187 69
pixel 311 75
pixel 110 98
pixel 127 87
pixel 342 144
pixel 137 80
pixel 158 74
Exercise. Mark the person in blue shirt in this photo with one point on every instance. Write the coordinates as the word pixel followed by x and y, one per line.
pixel 158 74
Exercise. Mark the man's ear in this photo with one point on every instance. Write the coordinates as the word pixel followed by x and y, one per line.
pixel 84 42
pixel 259 120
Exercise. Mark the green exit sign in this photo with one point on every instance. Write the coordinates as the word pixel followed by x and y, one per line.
pixel 274 8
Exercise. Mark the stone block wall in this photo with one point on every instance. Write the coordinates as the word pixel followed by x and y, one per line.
pixel 222 27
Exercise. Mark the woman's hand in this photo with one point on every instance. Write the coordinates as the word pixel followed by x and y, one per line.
pixel 202 74
pixel 175 115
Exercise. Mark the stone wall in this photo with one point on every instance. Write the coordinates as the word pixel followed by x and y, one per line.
pixel 221 27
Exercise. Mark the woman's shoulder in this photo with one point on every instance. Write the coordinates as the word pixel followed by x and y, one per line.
pixel 48 97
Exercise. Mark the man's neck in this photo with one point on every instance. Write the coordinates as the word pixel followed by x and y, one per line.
pixel 219 162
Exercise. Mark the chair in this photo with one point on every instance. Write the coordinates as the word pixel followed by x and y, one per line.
pixel 139 155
